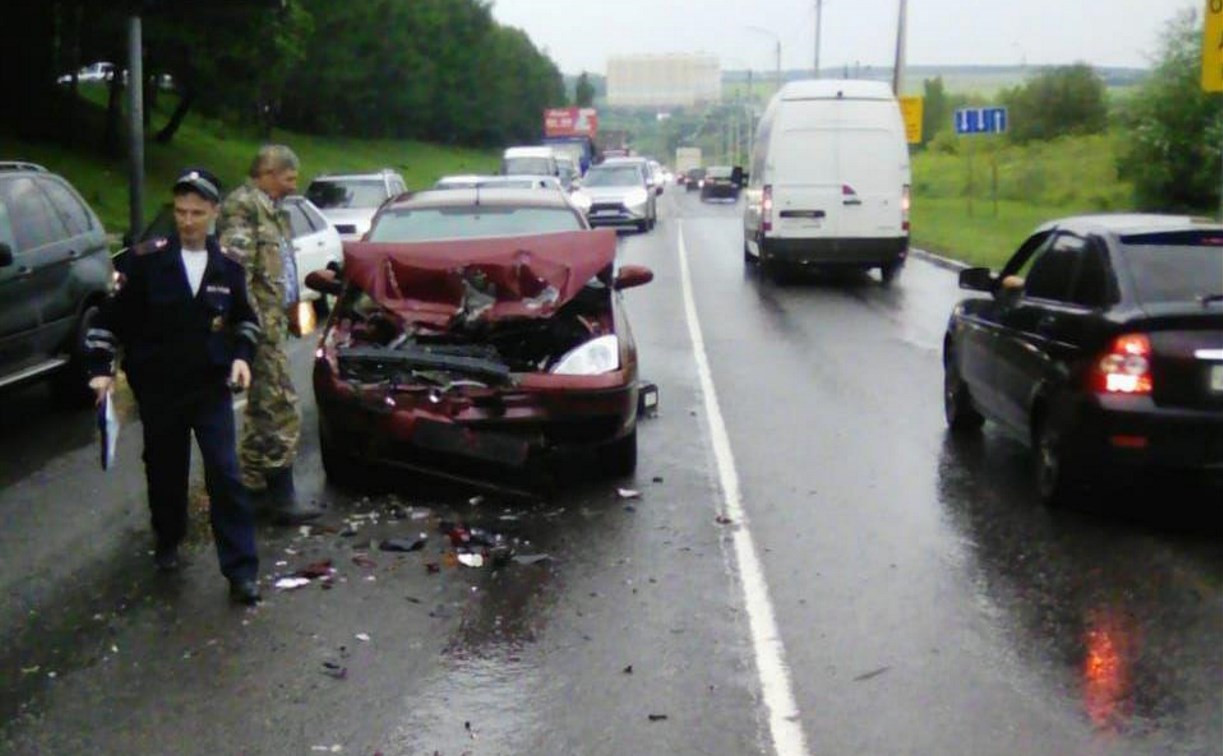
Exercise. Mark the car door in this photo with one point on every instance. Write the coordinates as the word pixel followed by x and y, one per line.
pixel 18 312
pixel 83 266
pixel 43 247
pixel 331 245
pixel 1041 330
pixel 307 244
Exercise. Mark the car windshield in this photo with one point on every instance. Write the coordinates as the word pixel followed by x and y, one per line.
pixel 719 172
pixel 1175 267
pixel 620 175
pixel 347 193
pixel 531 166
pixel 468 222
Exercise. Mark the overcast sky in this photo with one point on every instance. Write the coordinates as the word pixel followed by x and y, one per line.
pixel 581 34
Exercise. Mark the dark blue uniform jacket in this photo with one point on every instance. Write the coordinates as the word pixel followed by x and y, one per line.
pixel 173 341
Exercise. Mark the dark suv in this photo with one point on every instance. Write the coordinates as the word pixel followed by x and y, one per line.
pixel 55 271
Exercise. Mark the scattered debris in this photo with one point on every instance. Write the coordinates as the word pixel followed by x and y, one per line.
pixel 531 558
pixel 331 669
pixel 363 637
pixel 403 544
pixel 658 479
pixel 316 570
pixel 871 674
pixel 723 520
pixel 291 583
pixel 629 508
pixel 348 532
pixel 413 599
pixel 657 717
pixel 476 501
pixel 363 561
pixel 468 559
pixel 628 493
pixel 30 670
pixel 337 748
pixel 628 670
pixel 432 568
pixel 305 531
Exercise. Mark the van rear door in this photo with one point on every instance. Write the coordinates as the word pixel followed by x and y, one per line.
pixel 872 177
pixel 802 170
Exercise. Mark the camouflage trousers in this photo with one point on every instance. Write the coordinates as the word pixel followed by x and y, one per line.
pixel 272 427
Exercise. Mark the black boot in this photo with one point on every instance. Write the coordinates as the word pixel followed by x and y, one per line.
pixel 283 501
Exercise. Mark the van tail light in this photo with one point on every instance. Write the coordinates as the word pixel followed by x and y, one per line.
pixel 906 201
pixel 1125 368
pixel 766 208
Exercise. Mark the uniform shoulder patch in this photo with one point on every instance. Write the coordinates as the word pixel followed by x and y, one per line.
pixel 151 246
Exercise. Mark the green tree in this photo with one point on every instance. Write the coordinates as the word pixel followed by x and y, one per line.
pixel 584 92
pixel 1173 128
pixel 1057 101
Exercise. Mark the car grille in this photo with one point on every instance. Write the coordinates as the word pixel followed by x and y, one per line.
pixel 614 207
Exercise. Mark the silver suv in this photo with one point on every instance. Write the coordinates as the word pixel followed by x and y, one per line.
pixel 350 200
pixel 55 271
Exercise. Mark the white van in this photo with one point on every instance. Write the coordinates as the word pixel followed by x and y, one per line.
pixel 829 179
pixel 529 161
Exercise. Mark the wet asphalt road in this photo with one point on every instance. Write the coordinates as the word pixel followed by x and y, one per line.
pixel 924 602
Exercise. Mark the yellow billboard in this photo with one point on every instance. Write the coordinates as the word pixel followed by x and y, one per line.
pixel 1212 47
pixel 911 110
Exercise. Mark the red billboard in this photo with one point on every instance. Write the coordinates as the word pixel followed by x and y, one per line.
pixel 562 122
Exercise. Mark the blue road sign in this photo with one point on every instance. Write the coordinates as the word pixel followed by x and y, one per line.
pixel 980 121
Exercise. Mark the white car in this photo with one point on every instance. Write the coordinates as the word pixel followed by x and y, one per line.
pixel 100 71
pixel 350 200
pixel 316 243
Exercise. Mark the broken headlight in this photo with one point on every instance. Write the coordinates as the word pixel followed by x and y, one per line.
pixel 601 355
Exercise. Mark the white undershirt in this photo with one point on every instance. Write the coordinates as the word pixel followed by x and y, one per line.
pixel 194 262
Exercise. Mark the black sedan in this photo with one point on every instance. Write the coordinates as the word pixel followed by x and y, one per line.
pixel 1101 345
pixel 722 182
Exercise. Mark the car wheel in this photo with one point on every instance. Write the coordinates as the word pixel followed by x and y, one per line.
pixel 962 416
pixel 889 271
pixel 1055 479
pixel 643 226
pixel 341 470
pixel 71 386
pixel 619 458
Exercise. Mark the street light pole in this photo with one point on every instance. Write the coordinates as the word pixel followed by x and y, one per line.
pixel 777 40
pixel 819 12
pixel 135 126
pixel 898 69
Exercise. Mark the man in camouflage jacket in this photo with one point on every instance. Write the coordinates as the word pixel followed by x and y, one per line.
pixel 255 227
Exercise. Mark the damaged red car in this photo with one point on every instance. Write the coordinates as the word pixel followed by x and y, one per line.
pixel 464 358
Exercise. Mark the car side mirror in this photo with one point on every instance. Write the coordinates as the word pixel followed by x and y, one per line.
pixel 324 282
pixel 977 279
pixel 6 255
pixel 633 275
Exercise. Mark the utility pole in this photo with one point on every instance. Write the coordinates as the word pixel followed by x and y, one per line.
pixel 898 69
pixel 819 12
pixel 135 126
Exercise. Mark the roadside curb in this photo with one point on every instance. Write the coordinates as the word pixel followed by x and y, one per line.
pixel 939 260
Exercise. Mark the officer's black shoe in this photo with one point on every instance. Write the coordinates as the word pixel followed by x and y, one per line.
pixel 244 592
pixel 282 498
pixel 166 559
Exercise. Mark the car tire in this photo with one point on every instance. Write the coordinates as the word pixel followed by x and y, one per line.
pixel 643 226
pixel 341 470
pixel 71 385
pixel 619 458
pixel 889 271
pixel 962 417
pixel 1055 479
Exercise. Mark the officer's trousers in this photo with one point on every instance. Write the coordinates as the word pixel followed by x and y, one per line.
pixel 168 424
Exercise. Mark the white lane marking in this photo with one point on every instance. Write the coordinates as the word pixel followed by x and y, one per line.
pixel 784 725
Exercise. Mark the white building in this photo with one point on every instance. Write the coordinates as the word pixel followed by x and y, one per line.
pixel 663 80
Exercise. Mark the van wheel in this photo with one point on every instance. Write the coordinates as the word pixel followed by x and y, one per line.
pixel 889 271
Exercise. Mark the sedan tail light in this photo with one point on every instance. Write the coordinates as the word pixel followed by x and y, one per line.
pixel 766 208
pixel 1125 368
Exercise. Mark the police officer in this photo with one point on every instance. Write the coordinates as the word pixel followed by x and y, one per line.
pixel 256 227
pixel 188 333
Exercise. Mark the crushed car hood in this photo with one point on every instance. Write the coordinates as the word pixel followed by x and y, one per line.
pixel 436 283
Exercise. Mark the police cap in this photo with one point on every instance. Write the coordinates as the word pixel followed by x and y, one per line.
pixel 200 181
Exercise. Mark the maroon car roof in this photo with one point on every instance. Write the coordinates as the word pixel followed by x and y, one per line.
pixel 429 283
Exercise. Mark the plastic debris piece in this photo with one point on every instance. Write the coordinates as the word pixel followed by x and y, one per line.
pixel 363 637
pixel 871 674
pixel 362 560
pixel 628 493
pixel 315 570
pixel 371 578
pixel 282 563
pixel 657 717
pixel 337 671
pixel 723 520
pixel 658 479
pixel 432 568
pixel 404 544
pixel 532 558
pixel 291 583
pixel 628 670
pixel 413 599
pixel 305 531
pixel 471 560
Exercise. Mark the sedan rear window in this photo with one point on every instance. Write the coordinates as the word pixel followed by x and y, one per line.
pixel 423 224
pixel 1175 267
pixel 531 166
pixel 360 193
